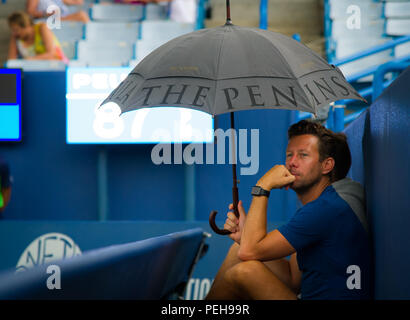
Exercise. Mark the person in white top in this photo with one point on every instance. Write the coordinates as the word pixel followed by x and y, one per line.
pixel 184 11
pixel 38 9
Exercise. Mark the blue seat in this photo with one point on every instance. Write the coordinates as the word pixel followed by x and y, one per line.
pixel 397 10
pixel 154 268
pixel 121 31
pixel 155 11
pixel 117 12
pixel 69 49
pixel 380 152
pixel 145 47
pixel 397 27
pixel 164 30
pixel 70 31
pixel 105 53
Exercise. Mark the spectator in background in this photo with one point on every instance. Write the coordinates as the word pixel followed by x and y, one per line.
pixel 38 9
pixel 184 11
pixel 32 41
pixel 5 185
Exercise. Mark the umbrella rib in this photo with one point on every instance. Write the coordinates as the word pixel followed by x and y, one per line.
pixel 274 48
pixel 321 70
pixel 217 66
pixel 198 77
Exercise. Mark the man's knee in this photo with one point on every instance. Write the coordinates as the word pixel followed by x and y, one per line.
pixel 242 270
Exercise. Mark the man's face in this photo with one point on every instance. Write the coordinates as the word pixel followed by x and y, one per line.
pixel 302 160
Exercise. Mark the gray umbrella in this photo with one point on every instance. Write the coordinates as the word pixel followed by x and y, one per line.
pixel 231 68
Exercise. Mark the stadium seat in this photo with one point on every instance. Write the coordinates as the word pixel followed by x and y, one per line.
pixel 369 9
pixel 155 12
pixel 36 65
pixel 121 31
pixel 69 49
pixel 370 28
pixel 105 53
pixel 145 47
pixel 117 12
pixel 397 10
pixel 402 50
pixel 348 46
pixel 155 268
pixel 164 30
pixel 397 27
pixel 133 63
pixel 70 31
pixel 354 67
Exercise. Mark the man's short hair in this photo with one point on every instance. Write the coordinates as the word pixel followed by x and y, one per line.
pixel 331 144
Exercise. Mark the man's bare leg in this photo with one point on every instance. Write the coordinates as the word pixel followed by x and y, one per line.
pixel 224 287
pixel 220 289
pixel 254 280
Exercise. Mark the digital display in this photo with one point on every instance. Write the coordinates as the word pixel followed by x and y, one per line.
pixel 10 104
pixel 87 122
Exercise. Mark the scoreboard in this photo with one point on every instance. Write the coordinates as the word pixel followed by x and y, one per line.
pixel 10 104
pixel 88 123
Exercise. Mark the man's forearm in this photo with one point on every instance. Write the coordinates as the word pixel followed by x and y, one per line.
pixel 254 229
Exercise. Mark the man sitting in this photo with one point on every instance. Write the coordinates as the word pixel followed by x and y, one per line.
pixel 326 239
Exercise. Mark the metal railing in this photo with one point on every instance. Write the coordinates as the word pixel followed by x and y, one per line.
pixel 378 77
pixel 336 118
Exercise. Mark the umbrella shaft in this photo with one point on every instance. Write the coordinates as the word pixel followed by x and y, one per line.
pixel 233 150
pixel 228 12
pixel 235 195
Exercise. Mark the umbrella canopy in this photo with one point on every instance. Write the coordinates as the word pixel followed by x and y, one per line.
pixel 232 68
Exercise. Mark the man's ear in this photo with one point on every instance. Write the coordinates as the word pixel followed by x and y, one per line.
pixel 327 165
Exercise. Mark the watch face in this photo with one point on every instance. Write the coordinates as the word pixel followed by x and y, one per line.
pixel 256 191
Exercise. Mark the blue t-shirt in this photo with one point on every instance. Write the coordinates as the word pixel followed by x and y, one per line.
pixel 330 235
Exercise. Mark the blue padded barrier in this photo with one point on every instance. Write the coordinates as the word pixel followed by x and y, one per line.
pixel 355 135
pixel 153 268
pixel 388 188
pixel 381 135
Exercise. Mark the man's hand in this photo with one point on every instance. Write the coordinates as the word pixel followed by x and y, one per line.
pixel 277 177
pixel 234 224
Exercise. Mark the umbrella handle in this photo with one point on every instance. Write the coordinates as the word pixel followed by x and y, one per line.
pixel 213 214
pixel 214 227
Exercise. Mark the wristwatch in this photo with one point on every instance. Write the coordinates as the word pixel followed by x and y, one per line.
pixel 258 191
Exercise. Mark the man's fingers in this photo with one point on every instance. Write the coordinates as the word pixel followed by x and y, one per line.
pixel 232 217
pixel 240 208
pixel 230 223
